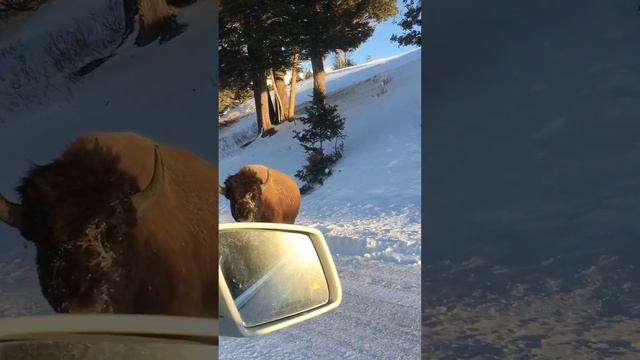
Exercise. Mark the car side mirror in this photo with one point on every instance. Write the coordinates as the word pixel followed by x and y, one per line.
pixel 272 276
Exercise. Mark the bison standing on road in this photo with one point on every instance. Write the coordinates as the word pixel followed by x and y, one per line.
pixel 260 194
pixel 122 225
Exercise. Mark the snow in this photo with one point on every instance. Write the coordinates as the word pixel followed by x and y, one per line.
pixel 32 26
pixel 368 211
pixel 336 81
pixel 533 146
pixel 156 91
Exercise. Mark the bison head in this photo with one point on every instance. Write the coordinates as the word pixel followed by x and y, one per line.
pixel 244 192
pixel 80 211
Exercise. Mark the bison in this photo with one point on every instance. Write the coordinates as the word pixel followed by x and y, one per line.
pixel 122 225
pixel 259 194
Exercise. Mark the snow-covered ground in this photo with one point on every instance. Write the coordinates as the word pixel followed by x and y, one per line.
pixel 157 91
pixel 368 210
pixel 533 150
pixel 32 26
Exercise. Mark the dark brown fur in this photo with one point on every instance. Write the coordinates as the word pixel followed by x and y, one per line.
pixel 97 253
pixel 260 194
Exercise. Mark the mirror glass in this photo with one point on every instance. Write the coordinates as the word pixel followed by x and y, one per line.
pixel 271 274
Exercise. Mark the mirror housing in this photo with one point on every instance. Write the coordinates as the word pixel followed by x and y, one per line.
pixel 230 320
pixel 108 336
pixel 65 326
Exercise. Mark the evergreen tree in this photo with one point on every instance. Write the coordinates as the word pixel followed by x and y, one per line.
pixel 322 141
pixel 340 60
pixel 251 43
pixel 230 98
pixel 327 25
pixel 411 19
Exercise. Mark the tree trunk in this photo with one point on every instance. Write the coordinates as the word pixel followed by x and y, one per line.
pixel 341 59
pixel 293 86
pixel 156 20
pixel 281 91
pixel 273 114
pixel 278 106
pixel 317 65
pixel 261 98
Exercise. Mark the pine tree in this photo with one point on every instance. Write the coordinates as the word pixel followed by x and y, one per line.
pixel 251 42
pixel 322 141
pixel 340 60
pixel 327 25
pixel 411 19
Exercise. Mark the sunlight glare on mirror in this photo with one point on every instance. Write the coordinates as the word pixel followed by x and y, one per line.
pixel 271 274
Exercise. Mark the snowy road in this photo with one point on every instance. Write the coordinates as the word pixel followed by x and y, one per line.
pixel 378 319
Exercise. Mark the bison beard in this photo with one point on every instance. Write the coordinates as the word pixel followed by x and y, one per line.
pixel 245 205
pixel 72 208
pixel 99 250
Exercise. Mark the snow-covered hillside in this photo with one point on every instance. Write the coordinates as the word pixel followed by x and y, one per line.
pixel 368 210
pixel 533 150
pixel 166 92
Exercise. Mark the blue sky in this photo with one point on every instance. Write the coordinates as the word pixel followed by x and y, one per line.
pixel 379 45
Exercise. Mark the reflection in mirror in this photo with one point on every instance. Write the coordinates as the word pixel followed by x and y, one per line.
pixel 271 274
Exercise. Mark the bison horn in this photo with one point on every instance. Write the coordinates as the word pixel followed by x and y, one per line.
pixel 10 212
pixel 222 190
pixel 264 184
pixel 142 199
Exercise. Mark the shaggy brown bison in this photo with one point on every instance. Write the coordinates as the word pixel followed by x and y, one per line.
pixel 122 225
pixel 259 194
